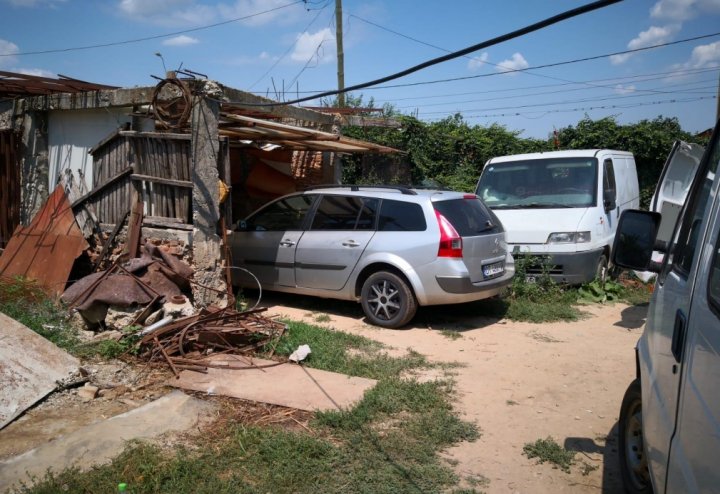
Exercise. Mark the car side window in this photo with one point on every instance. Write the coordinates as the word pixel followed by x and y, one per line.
pixel 344 213
pixel 688 236
pixel 286 214
pixel 399 216
pixel 714 281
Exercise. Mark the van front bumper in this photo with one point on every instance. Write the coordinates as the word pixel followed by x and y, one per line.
pixel 572 268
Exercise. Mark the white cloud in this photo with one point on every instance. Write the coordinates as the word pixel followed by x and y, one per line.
pixel 8 48
pixel 654 36
pixel 704 56
pixel 477 62
pixel 181 40
pixel 168 12
pixel 320 44
pixel 36 72
pixel 682 10
pixel 263 58
pixel 34 3
pixel 516 62
pixel 621 89
pixel 242 8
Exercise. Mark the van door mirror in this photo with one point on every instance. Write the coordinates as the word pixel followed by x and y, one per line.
pixel 609 198
pixel 635 240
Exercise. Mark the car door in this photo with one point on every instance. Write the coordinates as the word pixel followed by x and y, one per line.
pixel 695 446
pixel 340 230
pixel 266 242
pixel 661 350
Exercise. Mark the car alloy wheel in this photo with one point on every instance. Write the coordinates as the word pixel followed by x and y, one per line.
pixel 387 300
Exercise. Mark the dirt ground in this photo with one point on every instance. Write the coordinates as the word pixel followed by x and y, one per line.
pixel 518 382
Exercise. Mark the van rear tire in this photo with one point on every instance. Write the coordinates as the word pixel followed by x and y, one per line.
pixel 633 459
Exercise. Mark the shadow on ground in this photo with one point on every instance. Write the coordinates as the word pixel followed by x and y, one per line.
pixel 587 448
pixel 633 317
pixel 456 317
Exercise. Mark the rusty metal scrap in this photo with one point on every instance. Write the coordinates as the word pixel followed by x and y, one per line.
pixel 186 343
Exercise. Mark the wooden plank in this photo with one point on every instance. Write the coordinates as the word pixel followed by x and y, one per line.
pixel 110 239
pixel 134 227
pixel 165 181
pixel 102 187
pixel 161 222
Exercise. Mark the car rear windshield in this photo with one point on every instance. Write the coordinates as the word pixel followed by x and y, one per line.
pixel 470 217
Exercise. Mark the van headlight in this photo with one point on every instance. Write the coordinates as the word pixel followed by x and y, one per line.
pixel 568 238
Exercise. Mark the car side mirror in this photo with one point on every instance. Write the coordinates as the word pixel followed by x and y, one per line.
pixel 609 198
pixel 241 226
pixel 635 240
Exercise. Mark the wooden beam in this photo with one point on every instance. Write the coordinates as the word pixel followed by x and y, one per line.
pixel 159 180
pixel 272 108
pixel 102 187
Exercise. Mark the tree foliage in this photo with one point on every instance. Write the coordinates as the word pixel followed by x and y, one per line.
pixel 451 153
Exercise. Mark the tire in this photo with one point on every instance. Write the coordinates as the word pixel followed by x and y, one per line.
pixel 601 271
pixel 633 459
pixel 387 300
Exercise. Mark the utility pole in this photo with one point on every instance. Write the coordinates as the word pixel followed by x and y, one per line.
pixel 340 53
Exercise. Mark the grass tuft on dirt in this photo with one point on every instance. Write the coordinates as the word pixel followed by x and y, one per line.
pixel 547 450
pixel 388 443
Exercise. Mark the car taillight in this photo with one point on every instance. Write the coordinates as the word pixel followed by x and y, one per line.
pixel 450 241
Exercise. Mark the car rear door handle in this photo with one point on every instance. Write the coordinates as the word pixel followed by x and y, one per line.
pixel 678 338
pixel 350 243
pixel 287 243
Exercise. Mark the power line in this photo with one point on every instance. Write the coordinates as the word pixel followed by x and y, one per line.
pixel 429 63
pixel 316 53
pixel 553 103
pixel 603 107
pixel 148 38
pixel 633 78
pixel 542 93
pixel 289 48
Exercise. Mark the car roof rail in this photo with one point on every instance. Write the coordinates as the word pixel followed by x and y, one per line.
pixel 353 187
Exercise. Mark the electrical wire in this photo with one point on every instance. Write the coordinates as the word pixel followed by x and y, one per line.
pixel 603 107
pixel 282 57
pixel 429 63
pixel 316 54
pixel 149 38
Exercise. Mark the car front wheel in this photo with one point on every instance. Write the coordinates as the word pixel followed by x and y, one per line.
pixel 633 460
pixel 387 300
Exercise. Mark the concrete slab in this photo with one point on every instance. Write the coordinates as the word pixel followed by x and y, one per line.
pixel 102 441
pixel 29 367
pixel 289 385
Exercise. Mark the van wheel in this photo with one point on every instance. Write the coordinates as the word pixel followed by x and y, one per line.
pixel 633 460
pixel 387 300
pixel 601 272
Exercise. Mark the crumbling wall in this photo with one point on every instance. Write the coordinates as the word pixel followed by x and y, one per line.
pixel 35 164
pixel 6 115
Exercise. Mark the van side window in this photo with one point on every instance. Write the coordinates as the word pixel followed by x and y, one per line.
pixel 608 176
pixel 714 283
pixel 683 252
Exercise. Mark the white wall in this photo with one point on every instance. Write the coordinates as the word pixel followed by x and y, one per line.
pixel 72 133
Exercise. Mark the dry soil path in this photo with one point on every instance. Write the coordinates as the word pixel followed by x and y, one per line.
pixel 519 382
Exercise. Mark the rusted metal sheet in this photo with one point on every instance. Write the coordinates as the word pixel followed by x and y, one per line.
pixel 46 249
pixel 9 185
pixel 30 367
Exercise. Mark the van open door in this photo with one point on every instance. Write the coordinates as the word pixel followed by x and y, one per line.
pixel 674 184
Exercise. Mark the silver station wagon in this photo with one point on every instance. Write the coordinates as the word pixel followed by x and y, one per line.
pixel 390 248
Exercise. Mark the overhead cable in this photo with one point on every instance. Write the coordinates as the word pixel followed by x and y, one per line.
pixel 456 54
pixel 148 38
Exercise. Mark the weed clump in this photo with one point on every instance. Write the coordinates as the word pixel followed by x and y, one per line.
pixel 547 450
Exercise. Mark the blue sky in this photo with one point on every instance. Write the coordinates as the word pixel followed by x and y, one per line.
pixel 291 47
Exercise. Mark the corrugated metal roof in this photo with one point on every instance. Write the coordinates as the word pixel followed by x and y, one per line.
pixel 13 84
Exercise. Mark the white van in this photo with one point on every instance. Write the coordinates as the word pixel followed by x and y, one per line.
pixel 669 425
pixel 562 204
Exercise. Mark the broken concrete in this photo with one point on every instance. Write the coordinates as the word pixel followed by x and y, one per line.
pixel 102 441
pixel 30 367
pixel 287 385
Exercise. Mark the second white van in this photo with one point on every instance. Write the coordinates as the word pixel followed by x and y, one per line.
pixel 562 206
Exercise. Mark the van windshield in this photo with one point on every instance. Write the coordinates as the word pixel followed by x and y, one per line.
pixel 540 183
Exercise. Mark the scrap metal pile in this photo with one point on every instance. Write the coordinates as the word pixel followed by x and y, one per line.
pixel 187 343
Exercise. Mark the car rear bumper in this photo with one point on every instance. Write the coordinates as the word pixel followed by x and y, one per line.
pixel 458 289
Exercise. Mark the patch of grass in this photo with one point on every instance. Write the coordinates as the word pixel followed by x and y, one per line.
pixel 388 443
pixel 547 450
pixel 322 318
pixel 599 292
pixel 345 353
pixel 542 300
pixel 24 301
pixel 451 334
pixel 586 468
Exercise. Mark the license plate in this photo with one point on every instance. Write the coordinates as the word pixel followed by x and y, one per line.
pixel 494 269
